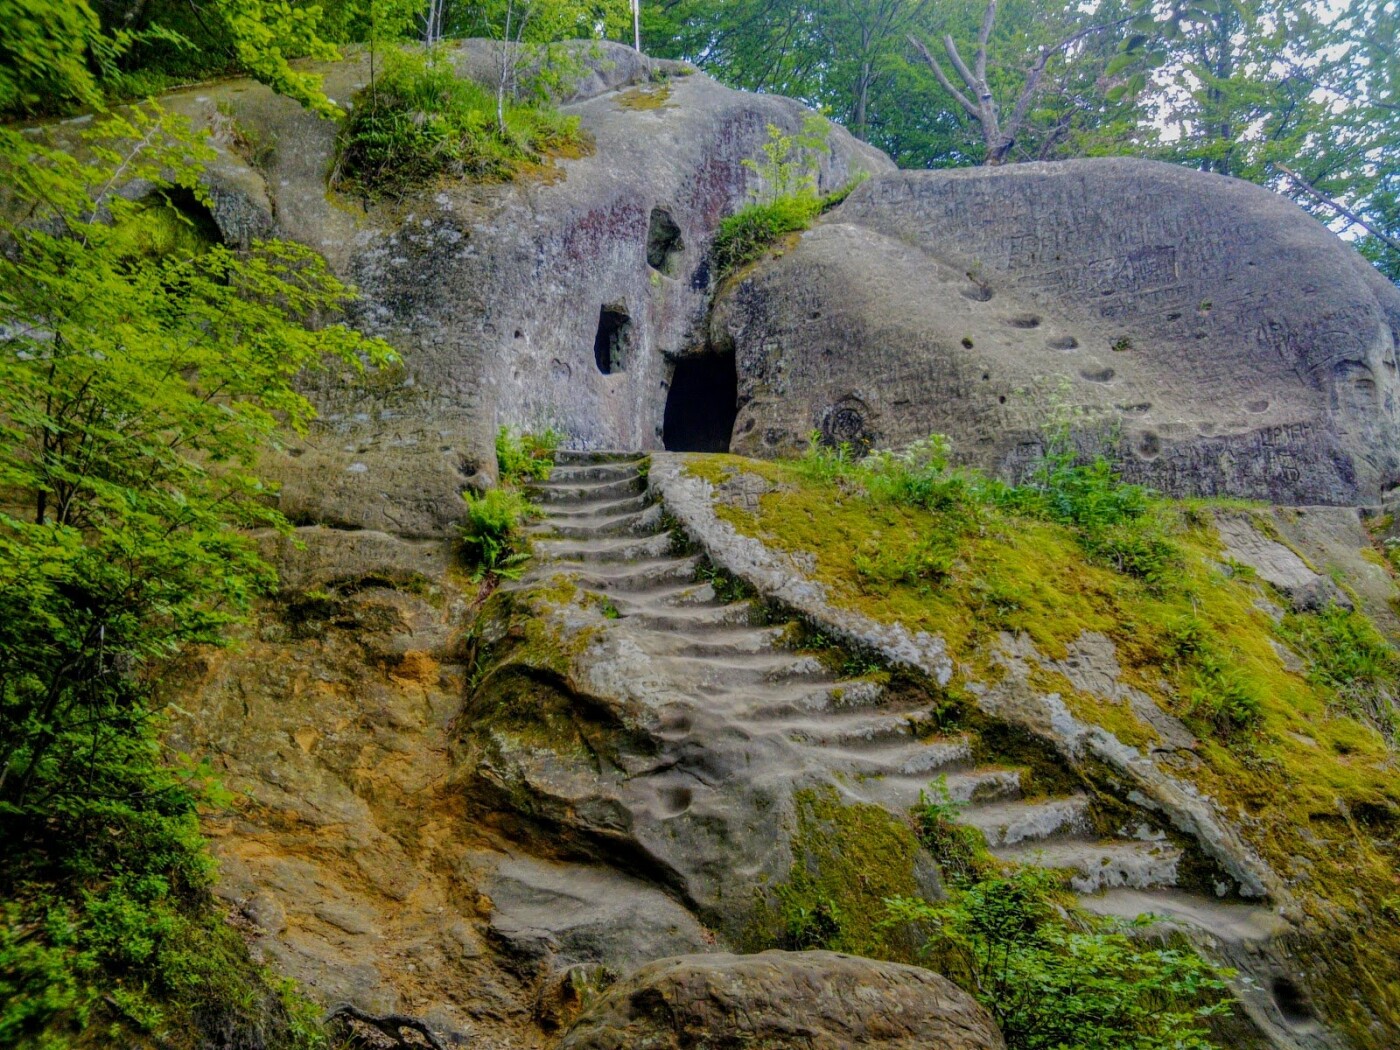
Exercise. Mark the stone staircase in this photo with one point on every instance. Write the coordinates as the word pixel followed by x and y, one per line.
pixel 602 528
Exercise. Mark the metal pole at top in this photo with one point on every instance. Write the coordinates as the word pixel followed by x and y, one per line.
pixel 637 25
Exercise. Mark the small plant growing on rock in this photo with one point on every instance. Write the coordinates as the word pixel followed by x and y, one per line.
pixel 524 457
pixel 786 199
pixel 493 534
pixel 493 537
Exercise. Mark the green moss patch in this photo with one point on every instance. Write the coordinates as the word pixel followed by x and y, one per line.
pixel 1289 747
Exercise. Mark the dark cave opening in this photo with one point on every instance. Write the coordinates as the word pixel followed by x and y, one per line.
pixel 613 339
pixel 702 404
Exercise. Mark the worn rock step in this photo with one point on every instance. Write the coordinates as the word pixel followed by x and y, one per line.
pixel 605 549
pixel 587 492
pixel 592 510
pixel 737 643
pixel 1101 865
pixel 613 470
pixel 637 522
pixel 707 676
pixel 570 456
pixel 1014 822
pixel 1231 922
pixel 639 576
pixel 685 616
pixel 845 695
pixel 967 787
pixel 919 762
pixel 832 729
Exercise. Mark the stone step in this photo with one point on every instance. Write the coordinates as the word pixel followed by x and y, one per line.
pixel 1232 922
pixel 573 456
pixel 1096 866
pixel 967 787
pixel 638 522
pixel 1014 822
pixel 851 694
pixel 707 678
pixel 918 761
pixel 585 493
pixel 849 729
pixel 587 511
pixel 736 643
pixel 686 616
pixel 605 549
pixel 613 470
pixel 640 575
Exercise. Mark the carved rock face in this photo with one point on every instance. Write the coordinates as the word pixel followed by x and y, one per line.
pixel 1215 338
pixel 506 299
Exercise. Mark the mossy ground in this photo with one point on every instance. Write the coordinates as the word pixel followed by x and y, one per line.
pixel 1312 785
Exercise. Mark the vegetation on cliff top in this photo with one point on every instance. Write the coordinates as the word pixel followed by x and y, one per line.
pixel 418 120
pixel 786 199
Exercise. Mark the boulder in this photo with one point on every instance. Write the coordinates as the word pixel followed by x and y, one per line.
pixel 1204 331
pixel 783 1001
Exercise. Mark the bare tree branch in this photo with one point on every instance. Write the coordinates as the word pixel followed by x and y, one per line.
pixel 942 78
pixel 1338 207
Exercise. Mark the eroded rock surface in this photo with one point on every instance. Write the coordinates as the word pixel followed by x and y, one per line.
pixel 495 294
pixel 783 1001
pixel 1240 348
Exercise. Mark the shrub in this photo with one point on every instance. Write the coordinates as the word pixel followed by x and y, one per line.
pixel 524 457
pixel 418 120
pixel 1052 980
pixel 751 231
pixel 493 535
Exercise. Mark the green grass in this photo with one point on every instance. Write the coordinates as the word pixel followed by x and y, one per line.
pixel 746 235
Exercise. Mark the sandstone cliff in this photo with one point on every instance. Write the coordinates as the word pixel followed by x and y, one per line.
pixel 480 815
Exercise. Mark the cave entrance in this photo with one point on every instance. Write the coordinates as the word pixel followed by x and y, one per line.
pixel 613 339
pixel 702 404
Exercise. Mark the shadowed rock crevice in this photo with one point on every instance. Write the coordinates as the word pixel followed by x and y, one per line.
pixel 702 404
pixel 612 345
pixel 664 242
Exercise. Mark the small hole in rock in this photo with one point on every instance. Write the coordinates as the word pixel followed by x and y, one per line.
pixel 1291 1001
pixel 664 242
pixel 613 339
pixel 519 334
pixel 1064 342
pixel 1001 400
pixel 1024 321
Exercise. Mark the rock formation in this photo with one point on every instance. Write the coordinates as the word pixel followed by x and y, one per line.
pixel 483 817
pixel 783 1001
pixel 1220 341
pixel 557 300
